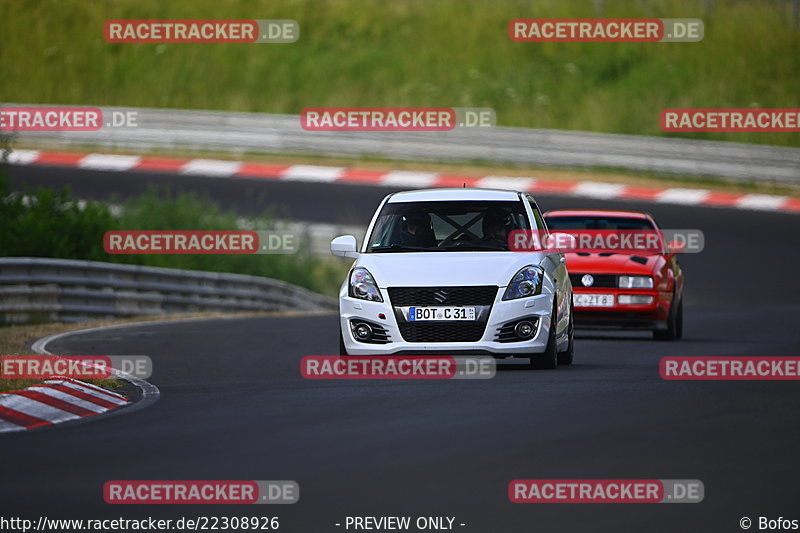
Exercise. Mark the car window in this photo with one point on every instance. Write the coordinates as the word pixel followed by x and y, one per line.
pixel 537 215
pixel 447 226
pixel 598 223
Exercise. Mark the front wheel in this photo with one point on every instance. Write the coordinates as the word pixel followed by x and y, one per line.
pixel 674 324
pixel 566 357
pixel 342 349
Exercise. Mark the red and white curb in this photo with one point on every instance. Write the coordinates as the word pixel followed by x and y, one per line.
pixel 62 399
pixel 54 401
pixel 402 178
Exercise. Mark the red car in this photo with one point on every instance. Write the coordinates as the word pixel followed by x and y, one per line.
pixel 628 289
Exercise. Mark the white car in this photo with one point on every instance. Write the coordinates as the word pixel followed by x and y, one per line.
pixel 435 276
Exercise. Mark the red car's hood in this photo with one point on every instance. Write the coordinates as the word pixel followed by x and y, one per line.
pixel 611 264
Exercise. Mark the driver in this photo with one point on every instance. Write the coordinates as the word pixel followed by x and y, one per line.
pixel 416 230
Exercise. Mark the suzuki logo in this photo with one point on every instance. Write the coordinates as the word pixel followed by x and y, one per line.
pixel 441 296
pixel 587 280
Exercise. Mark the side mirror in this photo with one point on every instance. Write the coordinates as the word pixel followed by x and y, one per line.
pixel 562 242
pixel 344 246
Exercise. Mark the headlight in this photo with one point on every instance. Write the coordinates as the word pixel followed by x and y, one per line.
pixel 362 286
pixel 526 282
pixel 635 282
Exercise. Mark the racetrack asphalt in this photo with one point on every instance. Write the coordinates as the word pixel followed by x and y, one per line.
pixel 234 406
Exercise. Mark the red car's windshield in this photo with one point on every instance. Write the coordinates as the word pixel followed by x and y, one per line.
pixel 597 223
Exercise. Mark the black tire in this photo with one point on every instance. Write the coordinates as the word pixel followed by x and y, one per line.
pixel 342 349
pixel 548 359
pixel 566 357
pixel 674 324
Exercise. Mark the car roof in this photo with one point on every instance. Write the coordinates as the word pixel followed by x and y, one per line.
pixel 454 194
pixel 596 213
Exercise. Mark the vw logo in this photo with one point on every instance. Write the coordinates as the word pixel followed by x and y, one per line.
pixel 441 296
pixel 587 280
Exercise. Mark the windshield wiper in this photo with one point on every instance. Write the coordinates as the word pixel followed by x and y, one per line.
pixel 404 248
pixel 466 247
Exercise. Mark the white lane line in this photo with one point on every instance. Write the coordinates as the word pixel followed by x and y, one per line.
pixel 761 201
pixel 150 393
pixel 505 182
pixel 405 178
pixel 109 162
pixel 211 167
pixel 312 173
pixel 596 189
pixel 69 398
pixel 682 196
pixel 36 409
pixel 23 157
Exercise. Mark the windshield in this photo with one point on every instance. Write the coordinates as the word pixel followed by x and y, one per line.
pixel 446 226
pixel 597 223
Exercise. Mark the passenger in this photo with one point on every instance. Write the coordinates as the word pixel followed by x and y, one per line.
pixel 416 230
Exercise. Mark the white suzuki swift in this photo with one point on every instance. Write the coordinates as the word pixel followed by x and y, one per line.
pixel 435 276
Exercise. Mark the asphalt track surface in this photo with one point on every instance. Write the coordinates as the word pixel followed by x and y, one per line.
pixel 233 404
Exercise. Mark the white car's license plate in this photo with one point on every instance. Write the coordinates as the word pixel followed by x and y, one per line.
pixel 593 300
pixel 421 314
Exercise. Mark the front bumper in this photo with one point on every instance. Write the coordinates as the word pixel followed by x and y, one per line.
pixel 624 316
pixel 502 312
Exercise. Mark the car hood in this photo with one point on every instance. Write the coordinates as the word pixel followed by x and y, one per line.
pixel 435 269
pixel 612 263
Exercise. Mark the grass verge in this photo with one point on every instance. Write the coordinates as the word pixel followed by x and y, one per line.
pixel 16 340
pixel 413 53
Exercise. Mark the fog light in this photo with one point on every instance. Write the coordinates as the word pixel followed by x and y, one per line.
pixel 634 299
pixel 524 329
pixel 362 331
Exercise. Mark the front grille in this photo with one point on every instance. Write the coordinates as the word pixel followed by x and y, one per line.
pixel 442 332
pixel 455 296
pixel 482 295
pixel 600 280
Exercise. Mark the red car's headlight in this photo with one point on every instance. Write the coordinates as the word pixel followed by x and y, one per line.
pixel 635 282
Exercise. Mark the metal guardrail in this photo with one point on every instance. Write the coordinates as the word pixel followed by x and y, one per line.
pixel 237 133
pixel 45 290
